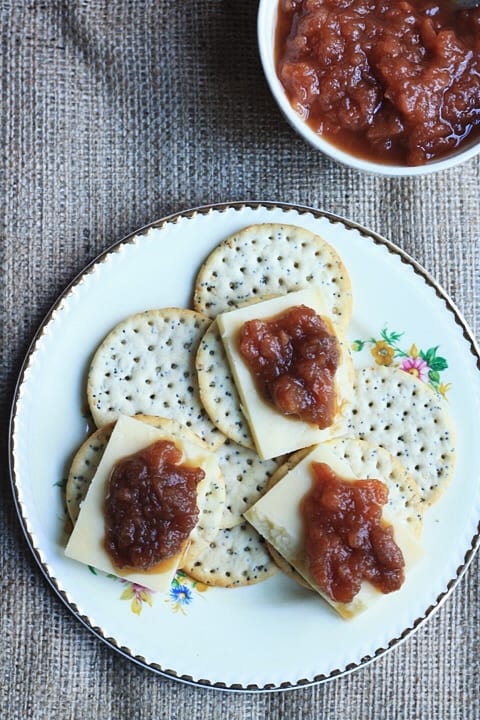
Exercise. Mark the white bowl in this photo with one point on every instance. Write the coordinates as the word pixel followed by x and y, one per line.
pixel 266 23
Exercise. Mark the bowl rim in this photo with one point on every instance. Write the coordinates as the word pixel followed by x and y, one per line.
pixel 266 22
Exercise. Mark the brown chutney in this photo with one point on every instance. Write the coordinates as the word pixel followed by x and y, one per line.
pixel 346 540
pixel 150 506
pixel 293 357
pixel 391 81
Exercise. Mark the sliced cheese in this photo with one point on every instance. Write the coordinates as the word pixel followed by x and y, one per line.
pixel 86 541
pixel 277 517
pixel 273 433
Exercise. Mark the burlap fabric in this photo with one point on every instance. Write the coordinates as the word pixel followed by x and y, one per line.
pixel 115 113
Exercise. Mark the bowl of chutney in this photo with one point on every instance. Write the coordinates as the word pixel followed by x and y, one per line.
pixel 387 86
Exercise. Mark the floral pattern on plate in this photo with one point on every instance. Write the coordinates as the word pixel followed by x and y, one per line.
pixel 426 365
pixel 180 595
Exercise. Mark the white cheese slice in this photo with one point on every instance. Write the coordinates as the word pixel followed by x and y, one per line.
pixel 86 541
pixel 277 517
pixel 275 434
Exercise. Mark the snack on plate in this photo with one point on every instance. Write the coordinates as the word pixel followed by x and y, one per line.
pixel 272 259
pixel 217 389
pixel 244 475
pixel 146 365
pixel 85 461
pixel 371 461
pixel 191 462
pixel 395 410
pixel 278 516
pixel 237 556
pixel 255 408
pixel 311 384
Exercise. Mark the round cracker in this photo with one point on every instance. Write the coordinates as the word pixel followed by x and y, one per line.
pixel 246 477
pixel 272 259
pixel 146 364
pixel 83 468
pixel 397 411
pixel 217 389
pixel 237 556
pixel 211 494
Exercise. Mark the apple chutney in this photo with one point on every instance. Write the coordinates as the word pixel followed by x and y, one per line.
pixel 294 357
pixel 390 81
pixel 346 540
pixel 150 507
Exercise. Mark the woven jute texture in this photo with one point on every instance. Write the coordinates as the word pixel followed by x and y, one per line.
pixel 115 113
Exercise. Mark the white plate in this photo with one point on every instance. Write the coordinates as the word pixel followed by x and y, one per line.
pixel 275 634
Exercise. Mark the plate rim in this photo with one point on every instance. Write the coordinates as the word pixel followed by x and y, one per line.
pixel 15 482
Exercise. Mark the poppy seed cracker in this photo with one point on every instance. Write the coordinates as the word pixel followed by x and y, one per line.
pixel 246 477
pixel 146 365
pixel 272 259
pixel 217 389
pixel 83 468
pixel 402 414
pixel 235 557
